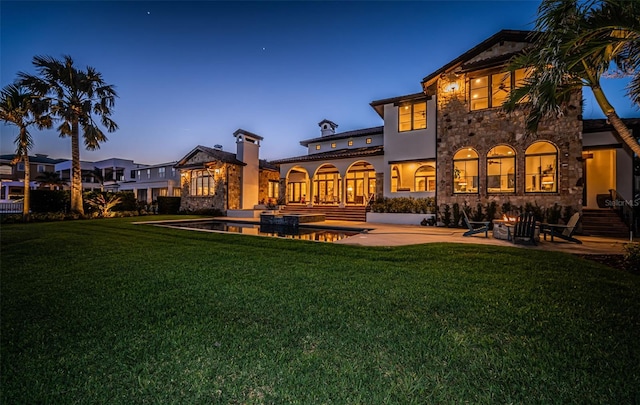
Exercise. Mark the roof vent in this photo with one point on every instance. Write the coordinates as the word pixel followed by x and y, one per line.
pixel 217 147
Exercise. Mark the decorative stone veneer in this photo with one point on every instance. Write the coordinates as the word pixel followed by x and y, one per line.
pixel 227 192
pixel 458 127
pixel 264 178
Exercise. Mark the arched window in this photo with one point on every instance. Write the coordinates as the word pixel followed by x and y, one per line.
pixel 501 169
pixel 541 168
pixel 395 179
pixel 465 171
pixel 425 178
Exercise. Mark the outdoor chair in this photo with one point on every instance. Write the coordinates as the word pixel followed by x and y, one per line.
pixel 475 226
pixel 562 231
pixel 524 230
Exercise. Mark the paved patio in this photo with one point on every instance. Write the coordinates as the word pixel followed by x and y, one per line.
pixel 396 235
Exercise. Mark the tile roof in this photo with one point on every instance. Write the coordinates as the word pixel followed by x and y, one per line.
pixel 335 154
pixel 343 135
pixel 35 159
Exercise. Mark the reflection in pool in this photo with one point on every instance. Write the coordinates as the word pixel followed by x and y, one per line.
pixel 248 228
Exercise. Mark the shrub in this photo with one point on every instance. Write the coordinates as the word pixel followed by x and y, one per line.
pixel 404 205
pixel 478 215
pixel 492 209
pixel 168 205
pixel 567 213
pixel 553 214
pixel 446 215
pixel 103 203
pixel 457 215
pixel 50 201
pixel 535 209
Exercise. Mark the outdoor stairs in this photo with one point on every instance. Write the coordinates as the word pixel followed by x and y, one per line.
pixel 603 222
pixel 356 213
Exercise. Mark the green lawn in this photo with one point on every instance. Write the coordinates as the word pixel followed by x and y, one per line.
pixel 104 311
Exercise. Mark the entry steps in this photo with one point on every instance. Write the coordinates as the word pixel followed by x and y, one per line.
pixel 331 212
pixel 603 222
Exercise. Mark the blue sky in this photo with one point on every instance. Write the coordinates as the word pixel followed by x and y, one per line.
pixel 190 73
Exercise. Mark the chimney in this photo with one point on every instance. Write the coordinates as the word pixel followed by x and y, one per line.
pixel 247 146
pixel 327 127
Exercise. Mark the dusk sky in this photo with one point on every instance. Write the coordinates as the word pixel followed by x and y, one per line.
pixel 191 73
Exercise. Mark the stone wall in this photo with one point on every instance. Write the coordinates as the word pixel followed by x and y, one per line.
pixel 458 127
pixel 227 192
pixel 265 177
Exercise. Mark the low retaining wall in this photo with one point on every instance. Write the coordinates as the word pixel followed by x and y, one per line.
pixel 398 219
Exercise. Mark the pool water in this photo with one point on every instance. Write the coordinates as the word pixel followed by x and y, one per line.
pixel 249 228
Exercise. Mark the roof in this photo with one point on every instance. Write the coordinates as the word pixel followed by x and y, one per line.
pixel 266 165
pixel 501 36
pixel 598 125
pixel 343 135
pixel 251 134
pixel 35 159
pixel 378 105
pixel 215 154
pixel 335 154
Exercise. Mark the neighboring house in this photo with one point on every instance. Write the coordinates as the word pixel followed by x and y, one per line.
pixel 220 180
pixel 12 175
pixel 152 181
pixel 452 141
pixel 102 175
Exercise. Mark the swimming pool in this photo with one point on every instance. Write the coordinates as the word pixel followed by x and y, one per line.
pixel 304 232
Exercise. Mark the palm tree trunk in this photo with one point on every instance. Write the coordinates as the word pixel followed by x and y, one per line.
pixel 619 126
pixel 26 202
pixel 76 171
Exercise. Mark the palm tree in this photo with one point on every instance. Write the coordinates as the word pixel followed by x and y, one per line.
pixel 575 43
pixel 22 109
pixel 75 95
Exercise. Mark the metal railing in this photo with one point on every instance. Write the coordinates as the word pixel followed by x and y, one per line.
pixel 11 207
pixel 624 208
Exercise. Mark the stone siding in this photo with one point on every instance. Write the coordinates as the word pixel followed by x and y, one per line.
pixel 458 127
pixel 265 177
pixel 227 192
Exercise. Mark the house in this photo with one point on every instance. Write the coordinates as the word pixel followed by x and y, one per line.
pixel 148 182
pixel 451 141
pixel 213 179
pixel 102 175
pixel 12 175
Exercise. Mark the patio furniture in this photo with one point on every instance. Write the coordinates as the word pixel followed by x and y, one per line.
pixel 524 230
pixel 562 231
pixel 502 229
pixel 475 226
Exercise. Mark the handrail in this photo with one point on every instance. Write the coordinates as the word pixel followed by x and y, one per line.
pixel 624 208
pixel 369 199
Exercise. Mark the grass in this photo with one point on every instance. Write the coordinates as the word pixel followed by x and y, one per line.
pixel 104 311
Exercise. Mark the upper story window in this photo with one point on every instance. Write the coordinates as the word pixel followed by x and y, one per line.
pixel 465 171
pixel 333 145
pixel 5 170
pixel 350 142
pixel 148 173
pixel 412 116
pixel 492 90
pixel 139 175
pixel 41 169
pixel 161 172
pixel 318 147
pixel 541 163
pixel 368 141
pixel 501 170
pixel 20 167
pixel 173 172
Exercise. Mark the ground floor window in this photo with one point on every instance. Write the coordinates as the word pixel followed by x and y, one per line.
pixel 177 192
pixel 326 188
pixel 415 176
pixel 297 192
pixel 202 183
pixel 541 163
pixel 465 171
pixel 274 189
pixel 501 169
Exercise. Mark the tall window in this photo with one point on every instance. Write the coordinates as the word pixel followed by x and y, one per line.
pixel 161 172
pixel 412 116
pixel 395 179
pixel 490 91
pixel 41 169
pixel 501 170
pixel 465 171
pixel 541 168
pixel 202 183
pixel 274 189
pixel 425 178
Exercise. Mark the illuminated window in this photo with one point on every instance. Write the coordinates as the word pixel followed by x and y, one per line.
pixel 465 171
pixel 425 178
pixel 492 90
pixel 501 170
pixel 350 143
pixel 274 189
pixel 412 116
pixel 202 183
pixel 148 173
pixel 368 140
pixel 541 163
pixel 333 145
pixel 318 147
pixel 395 179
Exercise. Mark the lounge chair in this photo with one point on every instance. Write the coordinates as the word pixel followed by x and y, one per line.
pixel 476 226
pixel 524 230
pixel 562 231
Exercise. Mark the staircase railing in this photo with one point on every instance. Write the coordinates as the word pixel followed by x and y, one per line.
pixel 624 208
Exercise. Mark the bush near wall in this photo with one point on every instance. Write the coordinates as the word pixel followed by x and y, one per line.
pixel 50 200
pixel 405 205
pixel 168 205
